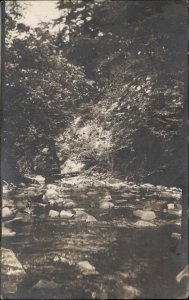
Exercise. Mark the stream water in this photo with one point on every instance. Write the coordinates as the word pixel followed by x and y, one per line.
pixel 126 261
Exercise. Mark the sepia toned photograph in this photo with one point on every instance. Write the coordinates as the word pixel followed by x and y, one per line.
pixel 94 137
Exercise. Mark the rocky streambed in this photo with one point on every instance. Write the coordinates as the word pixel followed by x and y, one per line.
pixel 91 238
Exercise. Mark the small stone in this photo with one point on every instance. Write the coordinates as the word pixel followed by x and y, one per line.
pixel 106 205
pixel 53 213
pixel 66 214
pixel 144 214
pixel 6 212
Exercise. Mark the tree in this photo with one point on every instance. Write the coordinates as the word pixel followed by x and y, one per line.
pixel 42 92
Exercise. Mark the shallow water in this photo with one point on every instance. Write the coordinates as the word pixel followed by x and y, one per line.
pixel 130 262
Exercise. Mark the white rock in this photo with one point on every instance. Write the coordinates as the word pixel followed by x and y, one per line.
pixel 170 206
pixel 86 265
pixel 53 213
pixel 144 214
pixel 176 236
pixel 66 214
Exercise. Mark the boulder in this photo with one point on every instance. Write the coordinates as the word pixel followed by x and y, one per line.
pixel 145 214
pixel 53 213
